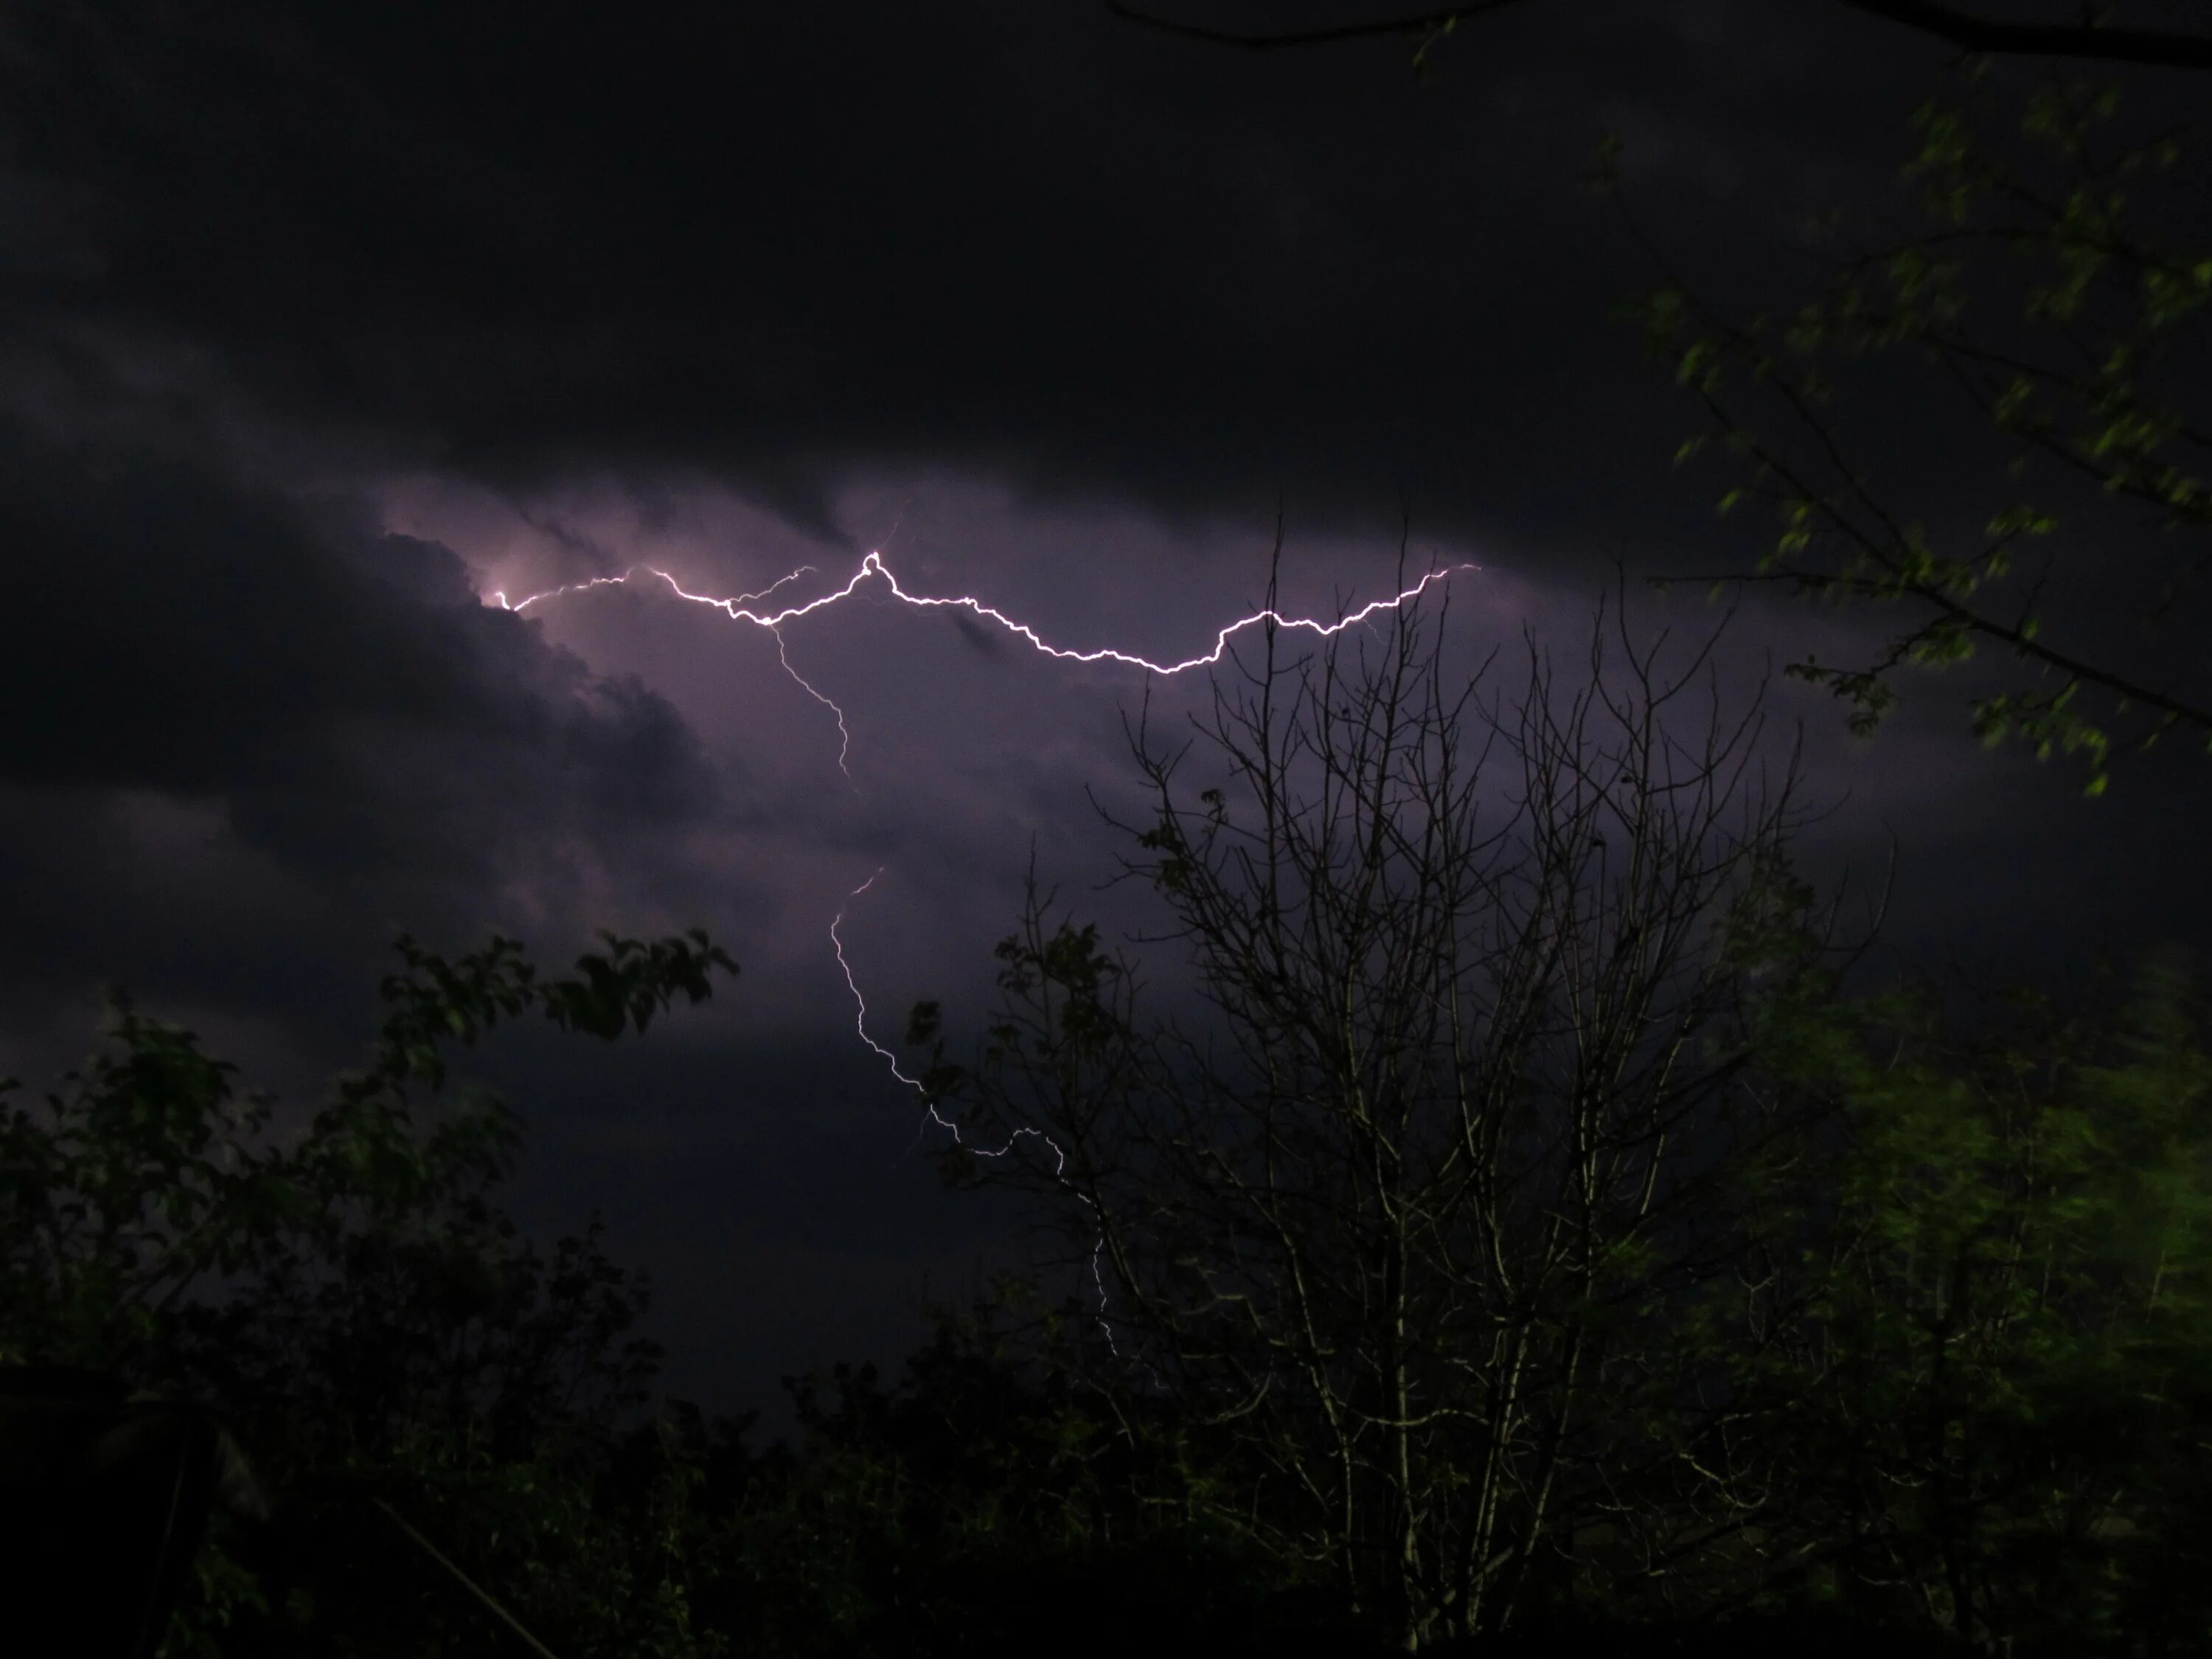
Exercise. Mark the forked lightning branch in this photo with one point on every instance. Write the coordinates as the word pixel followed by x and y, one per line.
pixel 753 608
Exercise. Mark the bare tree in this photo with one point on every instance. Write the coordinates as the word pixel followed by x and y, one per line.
pixel 1405 1215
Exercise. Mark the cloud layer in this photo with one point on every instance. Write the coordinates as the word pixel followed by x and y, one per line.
pixel 319 326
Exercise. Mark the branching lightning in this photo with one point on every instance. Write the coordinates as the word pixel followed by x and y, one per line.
pixel 933 1116
pixel 740 609
pixel 772 624
pixel 860 1003
pixel 844 736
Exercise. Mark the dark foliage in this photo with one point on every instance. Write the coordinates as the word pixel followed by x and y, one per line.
pixel 1965 1354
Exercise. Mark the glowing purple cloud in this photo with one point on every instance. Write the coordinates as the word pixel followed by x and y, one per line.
pixel 740 609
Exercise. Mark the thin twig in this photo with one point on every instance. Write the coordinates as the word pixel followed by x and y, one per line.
pixel 467 1583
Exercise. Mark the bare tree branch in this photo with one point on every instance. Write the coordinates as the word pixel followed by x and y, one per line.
pixel 1397 1220
pixel 2112 45
pixel 1426 26
pixel 1968 33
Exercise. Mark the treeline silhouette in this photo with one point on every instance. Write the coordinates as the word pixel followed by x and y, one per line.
pixel 380 1347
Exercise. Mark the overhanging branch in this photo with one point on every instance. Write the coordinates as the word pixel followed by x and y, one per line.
pixel 1424 25
pixel 1970 34
pixel 2156 48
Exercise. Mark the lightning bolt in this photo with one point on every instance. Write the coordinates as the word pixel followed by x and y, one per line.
pixel 740 609
pixel 737 610
pixel 860 1003
pixel 933 1116
pixel 500 599
pixel 844 736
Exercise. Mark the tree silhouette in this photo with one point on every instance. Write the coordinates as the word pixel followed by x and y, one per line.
pixel 1401 1220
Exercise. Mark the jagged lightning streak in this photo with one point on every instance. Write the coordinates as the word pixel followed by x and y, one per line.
pixel 740 610
pixel 860 1003
pixel 844 736
pixel 933 1116
pixel 500 599
pixel 873 565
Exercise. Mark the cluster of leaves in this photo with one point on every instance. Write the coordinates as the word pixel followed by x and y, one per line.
pixel 1965 1347
pixel 1965 1354
pixel 2084 381
pixel 346 1294
pixel 147 1174
pixel 407 1375
pixel 992 1499
pixel 2021 1289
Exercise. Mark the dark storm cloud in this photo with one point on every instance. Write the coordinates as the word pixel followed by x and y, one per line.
pixel 1024 238
pixel 176 633
pixel 210 683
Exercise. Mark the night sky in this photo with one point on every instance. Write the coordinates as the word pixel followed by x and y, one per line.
pixel 318 327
